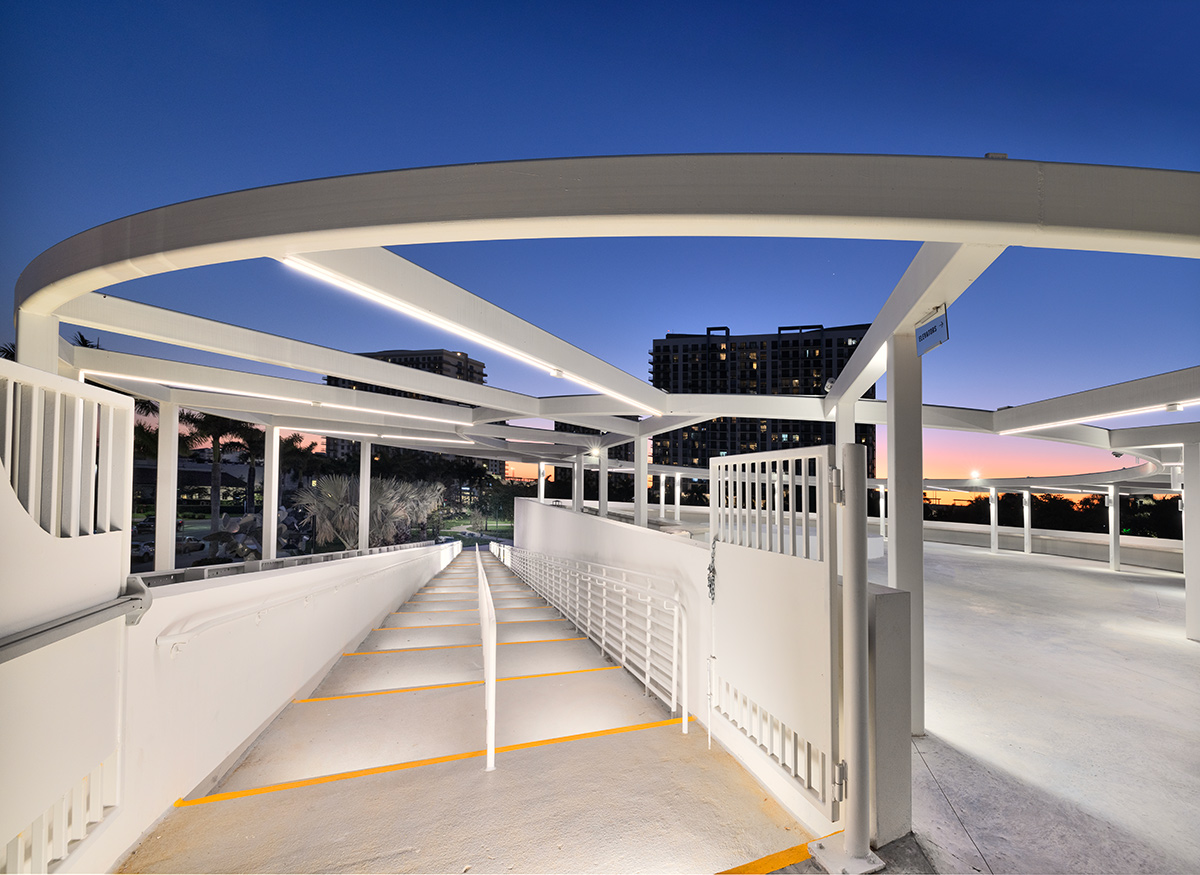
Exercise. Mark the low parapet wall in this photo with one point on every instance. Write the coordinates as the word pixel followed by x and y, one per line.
pixel 212 663
pixel 1163 554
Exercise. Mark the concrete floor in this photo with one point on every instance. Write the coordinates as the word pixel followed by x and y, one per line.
pixel 1063 717
pixel 620 799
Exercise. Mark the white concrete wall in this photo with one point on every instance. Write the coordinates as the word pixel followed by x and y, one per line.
pixel 560 532
pixel 187 715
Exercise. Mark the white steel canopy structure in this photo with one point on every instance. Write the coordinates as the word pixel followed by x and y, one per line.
pixel 335 228
pixel 964 212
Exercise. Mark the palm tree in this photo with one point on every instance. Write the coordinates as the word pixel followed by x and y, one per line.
pixel 224 435
pixel 332 506
pixel 8 351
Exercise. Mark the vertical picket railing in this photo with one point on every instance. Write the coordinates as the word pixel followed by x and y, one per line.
pixel 67 450
pixel 782 503
pixel 769 501
pixel 638 619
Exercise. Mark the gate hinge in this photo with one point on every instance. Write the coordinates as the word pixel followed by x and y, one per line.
pixel 835 483
pixel 839 782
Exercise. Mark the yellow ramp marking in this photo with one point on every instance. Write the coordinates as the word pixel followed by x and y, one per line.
pixel 775 862
pixel 520 677
pixel 454 646
pixel 396 767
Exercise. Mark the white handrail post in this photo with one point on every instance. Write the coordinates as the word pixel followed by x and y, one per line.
pixel 1114 528
pixel 487 626
pixel 993 520
pixel 1027 520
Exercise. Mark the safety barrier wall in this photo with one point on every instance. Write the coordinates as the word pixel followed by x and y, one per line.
pixel 1162 553
pixel 208 667
pixel 635 618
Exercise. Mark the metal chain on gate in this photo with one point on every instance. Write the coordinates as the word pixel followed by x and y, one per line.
pixel 712 572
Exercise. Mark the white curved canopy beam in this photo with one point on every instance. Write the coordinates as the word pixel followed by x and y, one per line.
pixel 954 200
pixel 937 275
pixel 108 313
pixel 1148 394
pixel 386 278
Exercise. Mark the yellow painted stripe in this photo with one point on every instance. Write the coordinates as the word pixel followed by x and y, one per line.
pixel 456 646
pixel 453 625
pixel 520 677
pixel 396 767
pixel 469 610
pixel 775 862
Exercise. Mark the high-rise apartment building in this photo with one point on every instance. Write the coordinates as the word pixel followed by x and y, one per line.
pixel 447 362
pixel 795 360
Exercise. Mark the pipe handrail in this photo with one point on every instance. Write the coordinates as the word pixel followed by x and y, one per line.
pixel 131 605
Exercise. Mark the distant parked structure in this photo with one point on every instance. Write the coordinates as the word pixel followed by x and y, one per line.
pixel 795 360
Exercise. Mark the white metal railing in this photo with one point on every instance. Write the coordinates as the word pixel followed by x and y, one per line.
pixel 67 449
pixel 769 501
pixel 208 572
pixel 487 627
pixel 67 820
pixel 638 619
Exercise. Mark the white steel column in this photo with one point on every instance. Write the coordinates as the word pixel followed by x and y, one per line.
pixel 270 526
pixel 1114 528
pixel 883 505
pixel 678 481
pixel 640 447
pixel 541 482
pixel 1191 539
pixel 856 696
pixel 364 495
pixel 906 547
pixel 577 485
pixel 1027 511
pixel 993 520
pixel 166 493
pixel 662 497
pixel 602 508
pixel 37 341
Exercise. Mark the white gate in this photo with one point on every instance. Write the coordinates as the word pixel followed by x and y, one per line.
pixel 776 635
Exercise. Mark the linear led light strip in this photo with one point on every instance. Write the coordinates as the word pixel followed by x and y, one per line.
pixel 175 384
pixel 399 437
pixel 365 291
pixel 1173 407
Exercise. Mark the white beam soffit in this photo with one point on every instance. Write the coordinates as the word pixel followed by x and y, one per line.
pixel 387 279
pixel 1145 395
pixel 109 313
pixel 253 388
pixel 937 275
pixel 954 200
pixel 1069 482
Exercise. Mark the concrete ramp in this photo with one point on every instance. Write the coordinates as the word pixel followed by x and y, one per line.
pixel 382 767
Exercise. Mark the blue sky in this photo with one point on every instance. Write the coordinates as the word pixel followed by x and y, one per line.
pixel 119 107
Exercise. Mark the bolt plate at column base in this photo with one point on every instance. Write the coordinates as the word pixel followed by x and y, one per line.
pixel 832 857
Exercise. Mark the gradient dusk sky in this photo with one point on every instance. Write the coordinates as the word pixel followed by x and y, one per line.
pixel 112 108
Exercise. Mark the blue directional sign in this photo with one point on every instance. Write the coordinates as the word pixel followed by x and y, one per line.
pixel 933 332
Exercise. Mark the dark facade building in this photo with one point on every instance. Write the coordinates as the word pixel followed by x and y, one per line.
pixel 795 360
pixel 446 362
